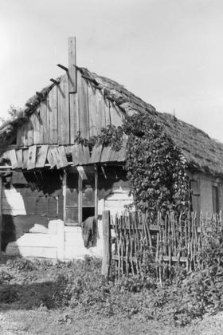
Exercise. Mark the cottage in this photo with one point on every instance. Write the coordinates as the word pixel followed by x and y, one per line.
pixel 50 183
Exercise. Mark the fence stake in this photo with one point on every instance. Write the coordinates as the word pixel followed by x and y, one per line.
pixel 106 261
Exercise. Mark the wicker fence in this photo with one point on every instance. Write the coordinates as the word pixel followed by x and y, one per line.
pixel 133 240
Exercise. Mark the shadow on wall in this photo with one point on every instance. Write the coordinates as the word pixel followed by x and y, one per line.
pixel 8 231
pixel 29 198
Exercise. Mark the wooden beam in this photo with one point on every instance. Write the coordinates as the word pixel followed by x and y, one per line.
pixel 62 67
pixel 1 228
pixel 64 195
pixel 106 260
pixel 54 81
pixel 96 192
pixel 72 71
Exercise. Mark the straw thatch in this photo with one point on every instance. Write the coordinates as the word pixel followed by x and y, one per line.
pixel 201 152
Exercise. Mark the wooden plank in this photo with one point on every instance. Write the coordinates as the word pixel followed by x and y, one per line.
pixel 80 193
pixel 50 158
pixel 20 135
pixel 80 154
pixel 52 115
pixel 74 121
pixel 35 121
pixel 56 157
pixel 30 133
pixel 122 151
pixel 75 154
pixel 114 155
pixel 83 108
pixel 19 158
pixel 105 155
pixel 96 193
pixel 96 154
pixel 116 116
pixel 62 156
pixel 63 112
pixel 13 159
pixel 41 156
pixel 24 158
pixel 107 112
pixel 43 123
pixel 31 159
pixel 100 117
pixel 106 260
pixel 86 154
pixel 93 131
pixel 72 65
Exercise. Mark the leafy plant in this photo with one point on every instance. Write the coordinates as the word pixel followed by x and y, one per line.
pixel 155 167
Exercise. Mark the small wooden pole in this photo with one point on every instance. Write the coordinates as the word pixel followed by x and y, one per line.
pixel 1 228
pixel 106 261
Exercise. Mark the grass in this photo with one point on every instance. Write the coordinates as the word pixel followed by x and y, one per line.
pixel 39 297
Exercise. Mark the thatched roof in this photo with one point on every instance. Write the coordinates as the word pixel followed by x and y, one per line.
pixel 201 152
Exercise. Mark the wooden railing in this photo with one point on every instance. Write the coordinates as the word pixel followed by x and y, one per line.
pixel 134 239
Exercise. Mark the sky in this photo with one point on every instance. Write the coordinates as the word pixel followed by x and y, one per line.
pixel 167 52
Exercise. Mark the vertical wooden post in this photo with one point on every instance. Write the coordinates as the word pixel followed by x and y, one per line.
pixel 64 195
pixel 106 244
pixel 60 240
pixel 80 192
pixel 1 192
pixel 72 72
pixel 96 193
pixel 72 89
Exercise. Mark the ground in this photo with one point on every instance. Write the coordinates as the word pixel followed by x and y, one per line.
pixel 25 293
pixel 36 322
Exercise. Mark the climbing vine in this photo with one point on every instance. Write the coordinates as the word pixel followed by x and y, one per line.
pixel 109 136
pixel 155 167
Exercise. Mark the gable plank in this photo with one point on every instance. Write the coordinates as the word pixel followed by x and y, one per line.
pixel 24 158
pixel 107 112
pixel 96 154
pixel 43 123
pixel 30 132
pixel 62 156
pixel 20 135
pixel 52 116
pixel 83 106
pixel 13 159
pixel 41 156
pixel 74 120
pixel 101 111
pixel 19 158
pixel 31 159
pixel 105 155
pixel 50 158
pixel 75 154
pixel 86 154
pixel 35 122
pixel 93 131
pixel 63 111
pixel 116 116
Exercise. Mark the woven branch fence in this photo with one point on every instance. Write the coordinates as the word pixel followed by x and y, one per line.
pixel 135 241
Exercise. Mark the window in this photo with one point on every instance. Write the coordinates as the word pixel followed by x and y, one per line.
pixel 80 195
pixel 215 199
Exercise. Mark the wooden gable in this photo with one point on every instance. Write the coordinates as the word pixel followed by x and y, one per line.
pixel 62 115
